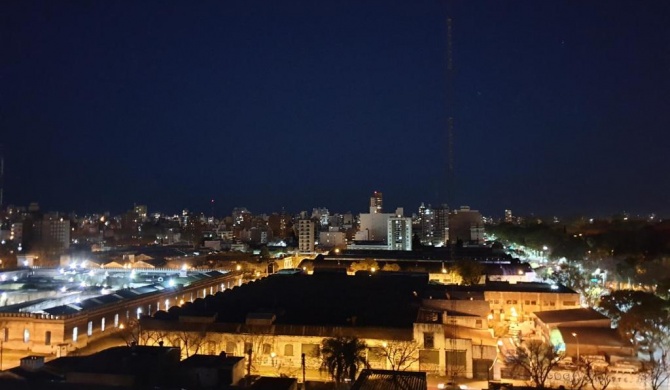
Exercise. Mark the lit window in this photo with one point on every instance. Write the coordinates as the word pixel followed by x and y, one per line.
pixel 102 325
pixel 75 333
pixel 90 328
pixel 26 335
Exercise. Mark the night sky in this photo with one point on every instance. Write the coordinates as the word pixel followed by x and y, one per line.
pixel 560 107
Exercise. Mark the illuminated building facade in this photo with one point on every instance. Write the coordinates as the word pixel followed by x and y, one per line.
pixel 306 236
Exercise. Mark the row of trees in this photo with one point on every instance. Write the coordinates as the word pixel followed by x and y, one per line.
pixel 341 357
pixel 535 360
pixel 470 271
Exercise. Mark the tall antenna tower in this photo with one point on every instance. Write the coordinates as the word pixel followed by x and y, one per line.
pixel 450 111
pixel 2 173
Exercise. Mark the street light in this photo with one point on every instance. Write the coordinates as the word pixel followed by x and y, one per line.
pixel 576 338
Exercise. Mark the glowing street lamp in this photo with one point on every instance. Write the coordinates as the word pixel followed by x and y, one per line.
pixel 576 338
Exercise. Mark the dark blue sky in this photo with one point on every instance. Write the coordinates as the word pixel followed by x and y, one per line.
pixel 560 107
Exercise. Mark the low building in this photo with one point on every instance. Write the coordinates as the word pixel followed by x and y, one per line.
pixel 133 367
pixel 384 310
pixel 583 332
pixel 270 383
pixel 370 379
pixel 67 326
pixel 213 371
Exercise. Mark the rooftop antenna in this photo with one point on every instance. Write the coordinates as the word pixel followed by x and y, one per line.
pixel 450 120
pixel 2 173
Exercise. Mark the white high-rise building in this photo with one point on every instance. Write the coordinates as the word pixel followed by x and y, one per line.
pixel 391 230
pixel 399 233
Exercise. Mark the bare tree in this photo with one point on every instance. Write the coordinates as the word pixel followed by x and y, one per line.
pixel 599 379
pixel 656 372
pixel 578 378
pixel 254 340
pixel 130 332
pixel 401 355
pixel 534 358
pixel 190 341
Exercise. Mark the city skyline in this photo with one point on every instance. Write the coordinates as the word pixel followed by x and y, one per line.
pixel 559 109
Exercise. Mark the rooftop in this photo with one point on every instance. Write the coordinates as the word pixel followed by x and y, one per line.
pixel 272 383
pixel 602 337
pixel 387 379
pixel 317 300
pixel 127 360
pixel 569 315
pixel 489 286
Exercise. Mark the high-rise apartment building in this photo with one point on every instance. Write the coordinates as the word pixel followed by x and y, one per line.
pixel 427 224
pixel 306 236
pixel 332 239
pixel 466 226
pixel 399 233
pixel 508 216
pixel 441 225
pixel 16 232
pixel 141 211
pixel 54 230
pixel 321 214
pixel 376 202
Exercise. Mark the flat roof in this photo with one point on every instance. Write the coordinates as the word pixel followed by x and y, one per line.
pixel 491 286
pixel 327 299
pixel 569 315
pixel 127 360
pixel 606 337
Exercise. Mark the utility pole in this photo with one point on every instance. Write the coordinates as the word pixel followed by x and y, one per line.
pixel 249 353
pixel 302 362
